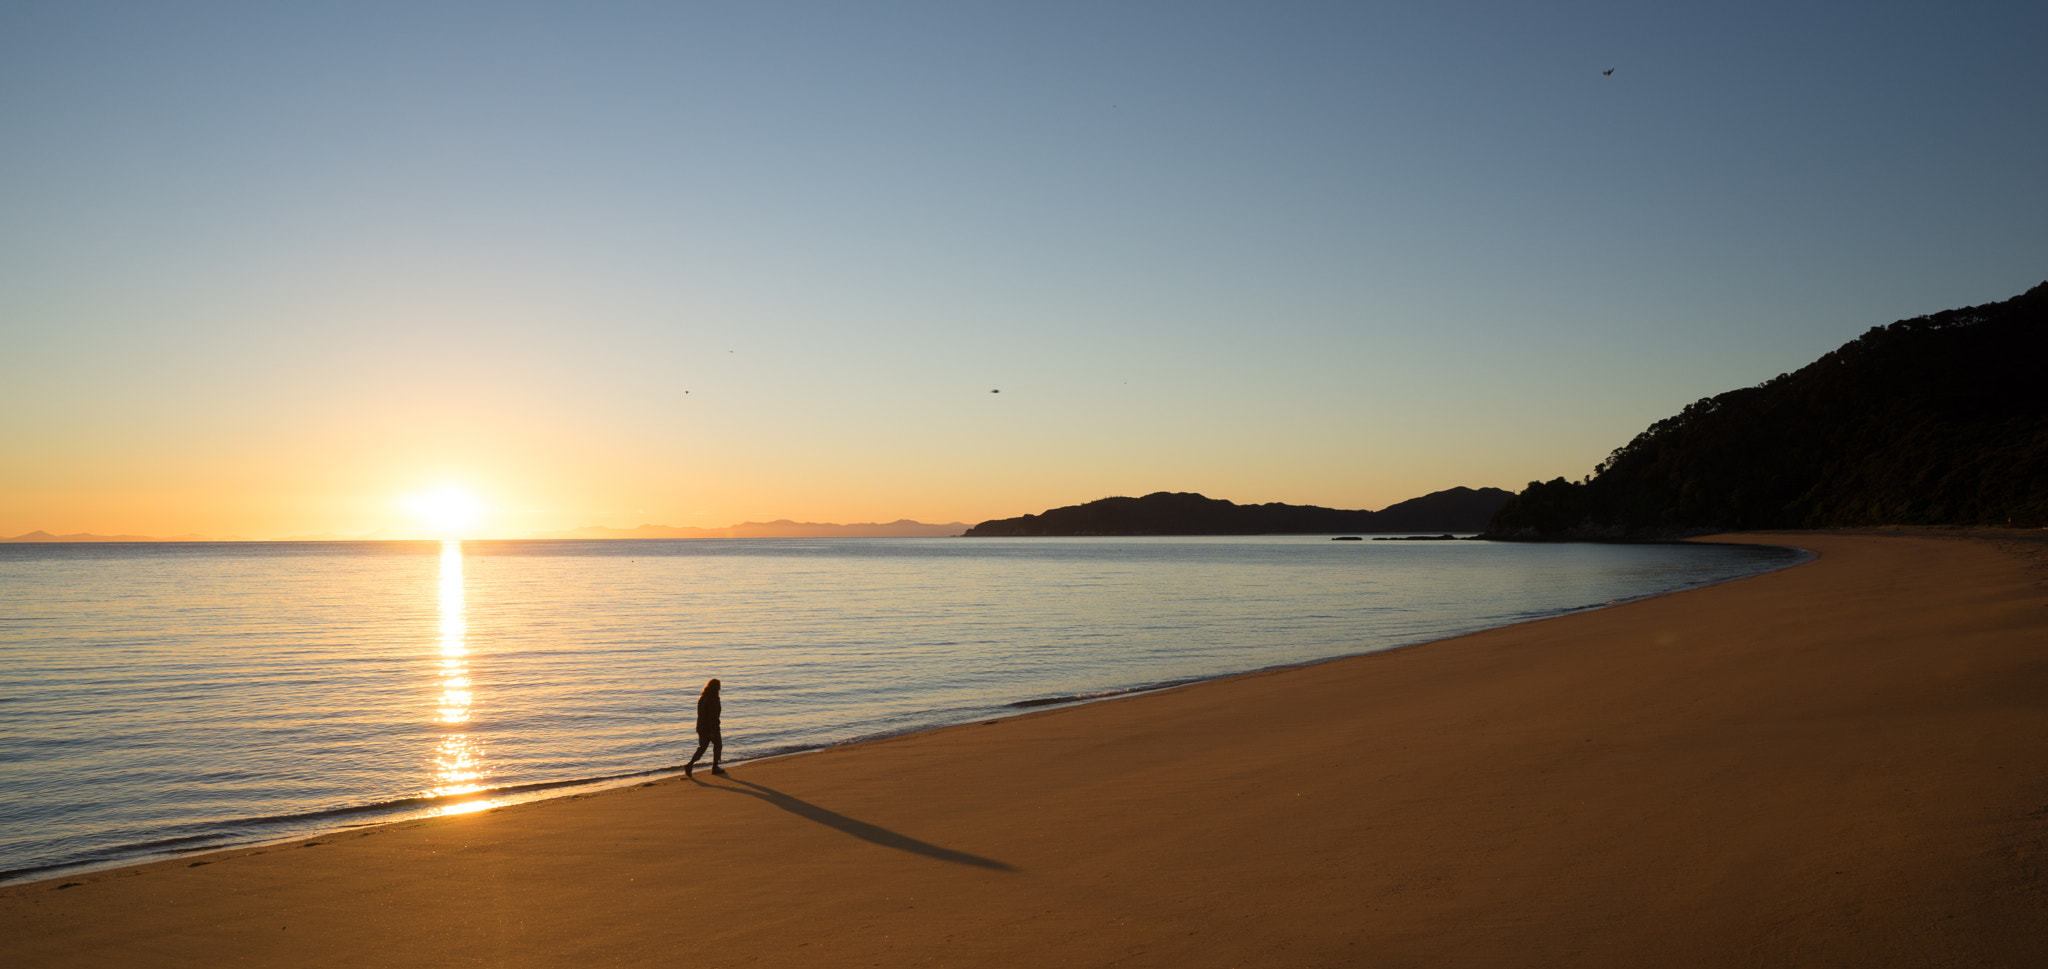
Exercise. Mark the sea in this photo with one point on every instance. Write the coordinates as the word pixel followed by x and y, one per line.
pixel 159 699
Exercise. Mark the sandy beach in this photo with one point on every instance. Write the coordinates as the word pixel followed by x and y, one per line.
pixel 1842 763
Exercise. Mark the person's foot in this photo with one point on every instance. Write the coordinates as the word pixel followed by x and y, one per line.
pixel 689 770
pixel 718 770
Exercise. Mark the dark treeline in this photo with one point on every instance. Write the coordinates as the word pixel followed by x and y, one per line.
pixel 1936 420
pixel 1186 513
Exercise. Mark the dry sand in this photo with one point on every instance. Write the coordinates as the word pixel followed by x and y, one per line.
pixel 1836 764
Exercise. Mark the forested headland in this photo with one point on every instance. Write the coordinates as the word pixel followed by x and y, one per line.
pixel 1186 513
pixel 1935 420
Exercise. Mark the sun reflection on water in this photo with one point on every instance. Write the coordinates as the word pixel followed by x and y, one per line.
pixel 458 761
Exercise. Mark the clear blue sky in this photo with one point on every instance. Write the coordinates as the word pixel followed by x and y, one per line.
pixel 265 267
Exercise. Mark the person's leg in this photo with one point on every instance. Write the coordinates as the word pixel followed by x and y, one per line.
pixel 702 742
pixel 717 751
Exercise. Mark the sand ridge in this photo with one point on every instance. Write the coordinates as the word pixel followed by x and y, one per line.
pixel 1834 764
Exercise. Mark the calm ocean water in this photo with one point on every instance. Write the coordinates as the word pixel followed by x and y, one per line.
pixel 158 698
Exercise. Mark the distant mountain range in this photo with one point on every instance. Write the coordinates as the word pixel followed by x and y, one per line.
pixel 1936 420
pixel 380 535
pixel 779 528
pixel 1186 513
pixel 42 536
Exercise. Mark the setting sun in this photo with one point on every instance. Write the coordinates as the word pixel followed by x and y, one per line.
pixel 447 512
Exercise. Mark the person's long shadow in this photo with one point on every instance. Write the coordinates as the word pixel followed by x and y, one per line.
pixel 859 829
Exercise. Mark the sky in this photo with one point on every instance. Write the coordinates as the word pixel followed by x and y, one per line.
pixel 273 269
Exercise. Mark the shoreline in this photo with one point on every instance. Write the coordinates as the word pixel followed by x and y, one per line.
pixel 427 807
pixel 1835 764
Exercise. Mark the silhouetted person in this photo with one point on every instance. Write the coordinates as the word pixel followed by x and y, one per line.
pixel 708 709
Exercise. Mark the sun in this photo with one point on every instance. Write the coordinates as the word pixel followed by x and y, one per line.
pixel 448 512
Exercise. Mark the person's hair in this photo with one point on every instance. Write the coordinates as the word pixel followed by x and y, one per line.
pixel 711 687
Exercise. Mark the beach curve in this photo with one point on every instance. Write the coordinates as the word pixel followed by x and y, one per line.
pixel 1835 763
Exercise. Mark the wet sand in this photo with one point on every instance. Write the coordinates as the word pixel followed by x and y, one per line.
pixel 1843 763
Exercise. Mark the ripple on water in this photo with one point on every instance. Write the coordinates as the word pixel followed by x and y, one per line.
pixel 173 697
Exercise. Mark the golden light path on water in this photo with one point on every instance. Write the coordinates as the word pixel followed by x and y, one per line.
pixel 450 713
pixel 458 762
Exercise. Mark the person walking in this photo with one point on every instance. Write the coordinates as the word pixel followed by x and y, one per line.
pixel 708 709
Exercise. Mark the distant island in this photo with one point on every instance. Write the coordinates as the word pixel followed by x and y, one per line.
pixel 779 528
pixel 42 536
pixel 1186 513
pixel 1935 420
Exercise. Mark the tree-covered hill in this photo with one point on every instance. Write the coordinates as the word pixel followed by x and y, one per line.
pixel 1936 420
pixel 1186 513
